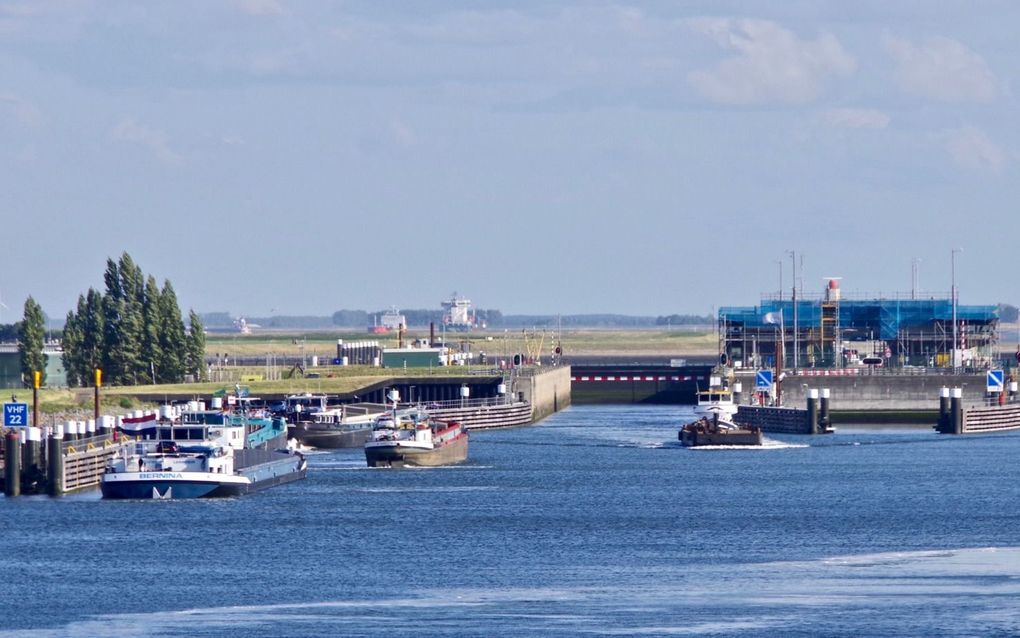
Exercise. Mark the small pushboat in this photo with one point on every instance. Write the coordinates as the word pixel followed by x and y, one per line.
pixel 716 430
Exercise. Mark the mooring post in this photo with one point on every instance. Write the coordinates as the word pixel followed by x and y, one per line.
pixel 945 416
pixel 95 401
pixel 36 380
pixel 31 453
pixel 823 415
pixel 738 390
pixel 55 462
pixel 812 408
pixel 12 464
pixel 956 407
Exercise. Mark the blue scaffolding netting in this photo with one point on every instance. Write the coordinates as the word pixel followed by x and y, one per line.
pixel 884 318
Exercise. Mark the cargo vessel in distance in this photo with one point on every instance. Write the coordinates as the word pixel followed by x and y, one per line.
pixel 715 430
pixel 411 437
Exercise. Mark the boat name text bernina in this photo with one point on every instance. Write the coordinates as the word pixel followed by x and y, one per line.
pixel 161 475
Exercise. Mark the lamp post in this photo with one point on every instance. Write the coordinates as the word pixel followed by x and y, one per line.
pixel 956 341
pixel 796 345
pixel 913 276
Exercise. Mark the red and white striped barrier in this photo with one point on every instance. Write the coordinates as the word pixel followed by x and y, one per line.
pixel 837 372
pixel 636 378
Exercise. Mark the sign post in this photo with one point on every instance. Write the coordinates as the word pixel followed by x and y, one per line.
pixel 15 415
pixel 996 380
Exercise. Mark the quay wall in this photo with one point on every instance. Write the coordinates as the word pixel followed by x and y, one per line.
pixel 547 389
pixel 881 391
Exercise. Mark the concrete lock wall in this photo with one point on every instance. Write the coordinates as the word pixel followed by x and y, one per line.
pixel 547 390
pixel 882 391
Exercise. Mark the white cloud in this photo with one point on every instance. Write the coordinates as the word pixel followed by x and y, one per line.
pixel 23 111
pixel 942 69
pixel 260 7
pixel 855 118
pixel 972 150
pixel 153 139
pixel 403 134
pixel 772 64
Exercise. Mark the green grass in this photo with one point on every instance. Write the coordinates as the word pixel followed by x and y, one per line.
pixel 76 399
pixel 493 342
pixel 331 381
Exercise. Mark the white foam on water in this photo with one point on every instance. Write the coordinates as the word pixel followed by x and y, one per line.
pixel 767 444
pixel 401 489
pixel 892 579
pixel 715 628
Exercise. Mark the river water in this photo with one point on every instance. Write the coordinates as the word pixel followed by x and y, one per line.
pixel 593 522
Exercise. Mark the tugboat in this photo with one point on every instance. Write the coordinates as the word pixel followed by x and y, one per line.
pixel 716 430
pixel 411 437
pixel 203 454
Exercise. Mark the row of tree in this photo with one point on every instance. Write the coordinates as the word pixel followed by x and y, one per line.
pixel 133 332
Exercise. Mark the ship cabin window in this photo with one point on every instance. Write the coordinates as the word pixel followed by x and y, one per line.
pixel 181 434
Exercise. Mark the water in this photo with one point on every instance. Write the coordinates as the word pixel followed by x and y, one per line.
pixel 593 523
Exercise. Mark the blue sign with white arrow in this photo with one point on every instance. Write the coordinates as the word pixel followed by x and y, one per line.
pixel 996 380
pixel 15 415
pixel 763 380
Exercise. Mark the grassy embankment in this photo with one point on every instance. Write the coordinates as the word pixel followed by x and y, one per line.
pixel 334 380
pixel 496 343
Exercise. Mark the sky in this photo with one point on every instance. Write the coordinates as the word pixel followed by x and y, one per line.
pixel 284 157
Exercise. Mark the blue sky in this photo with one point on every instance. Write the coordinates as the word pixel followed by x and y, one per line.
pixel 648 158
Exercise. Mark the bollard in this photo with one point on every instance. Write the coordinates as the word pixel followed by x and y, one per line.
pixel 944 424
pixel 738 390
pixel 956 409
pixel 55 463
pixel 12 464
pixel 812 408
pixel 31 455
pixel 823 414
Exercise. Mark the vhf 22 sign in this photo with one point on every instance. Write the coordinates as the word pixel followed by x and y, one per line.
pixel 15 415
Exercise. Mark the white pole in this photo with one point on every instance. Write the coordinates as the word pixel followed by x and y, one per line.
pixel 953 292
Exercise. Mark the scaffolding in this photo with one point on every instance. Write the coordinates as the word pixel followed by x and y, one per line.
pixel 834 332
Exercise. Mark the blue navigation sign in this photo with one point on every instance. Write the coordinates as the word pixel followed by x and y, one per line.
pixel 763 380
pixel 996 380
pixel 15 415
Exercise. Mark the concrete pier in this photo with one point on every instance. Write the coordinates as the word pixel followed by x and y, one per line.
pixel 788 420
pixel 959 416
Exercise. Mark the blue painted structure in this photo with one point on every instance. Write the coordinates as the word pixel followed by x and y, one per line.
pixel 915 331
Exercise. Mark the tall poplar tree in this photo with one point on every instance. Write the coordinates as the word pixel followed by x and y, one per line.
pixel 132 286
pixel 150 331
pixel 172 341
pixel 113 305
pixel 31 338
pixel 71 343
pixel 196 347
pixel 90 317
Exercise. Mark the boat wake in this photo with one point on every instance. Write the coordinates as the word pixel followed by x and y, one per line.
pixel 767 444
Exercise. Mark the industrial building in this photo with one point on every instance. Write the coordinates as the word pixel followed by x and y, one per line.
pixel 10 367
pixel 833 330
